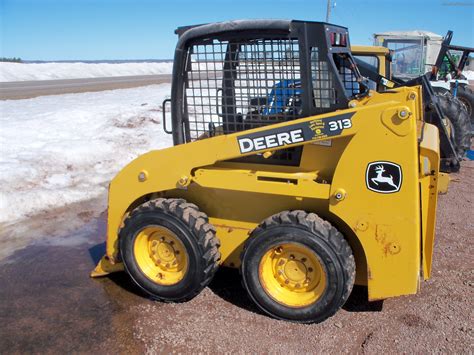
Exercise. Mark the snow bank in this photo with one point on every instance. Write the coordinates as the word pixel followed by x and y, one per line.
pixel 60 149
pixel 51 71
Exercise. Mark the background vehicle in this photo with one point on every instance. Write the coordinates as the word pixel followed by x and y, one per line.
pixel 415 53
pixel 284 166
pixel 375 63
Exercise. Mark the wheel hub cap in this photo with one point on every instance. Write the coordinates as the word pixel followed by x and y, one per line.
pixel 161 255
pixel 292 274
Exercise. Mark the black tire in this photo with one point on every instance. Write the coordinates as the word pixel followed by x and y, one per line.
pixel 457 115
pixel 466 96
pixel 315 234
pixel 194 232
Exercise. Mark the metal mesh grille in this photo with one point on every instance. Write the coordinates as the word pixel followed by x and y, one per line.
pixel 322 79
pixel 348 77
pixel 235 86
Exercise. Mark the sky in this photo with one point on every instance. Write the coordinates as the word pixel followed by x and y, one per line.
pixel 144 29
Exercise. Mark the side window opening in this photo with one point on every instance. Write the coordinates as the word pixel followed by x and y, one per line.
pixel 346 69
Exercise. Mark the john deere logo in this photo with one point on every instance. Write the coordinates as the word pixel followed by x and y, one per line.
pixel 383 177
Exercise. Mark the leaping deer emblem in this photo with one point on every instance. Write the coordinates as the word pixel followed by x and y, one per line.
pixel 382 179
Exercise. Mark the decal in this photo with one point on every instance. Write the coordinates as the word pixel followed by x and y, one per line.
pixel 313 130
pixel 271 141
pixel 383 177
pixel 326 143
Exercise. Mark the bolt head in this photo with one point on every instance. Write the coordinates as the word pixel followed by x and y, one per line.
pixel 142 176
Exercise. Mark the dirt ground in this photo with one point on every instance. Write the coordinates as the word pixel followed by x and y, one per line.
pixel 48 303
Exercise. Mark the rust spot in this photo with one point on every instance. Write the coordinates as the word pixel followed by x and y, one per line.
pixel 392 248
pixel 384 236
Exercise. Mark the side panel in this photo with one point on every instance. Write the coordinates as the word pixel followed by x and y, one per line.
pixel 386 223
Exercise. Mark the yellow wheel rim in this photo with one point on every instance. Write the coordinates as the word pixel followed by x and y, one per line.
pixel 292 275
pixel 160 255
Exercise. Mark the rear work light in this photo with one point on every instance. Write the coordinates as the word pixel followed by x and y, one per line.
pixel 338 39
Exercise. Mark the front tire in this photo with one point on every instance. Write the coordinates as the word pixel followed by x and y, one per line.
pixel 297 267
pixel 169 249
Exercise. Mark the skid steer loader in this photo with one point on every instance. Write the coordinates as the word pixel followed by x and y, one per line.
pixel 284 165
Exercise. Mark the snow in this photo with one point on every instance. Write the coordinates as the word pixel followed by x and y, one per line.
pixel 469 74
pixel 51 71
pixel 56 150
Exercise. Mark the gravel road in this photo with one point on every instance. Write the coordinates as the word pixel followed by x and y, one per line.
pixel 49 304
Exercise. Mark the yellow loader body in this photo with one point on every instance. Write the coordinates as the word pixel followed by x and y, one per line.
pixel 391 234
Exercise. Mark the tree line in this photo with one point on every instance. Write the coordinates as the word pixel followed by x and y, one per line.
pixel 12 60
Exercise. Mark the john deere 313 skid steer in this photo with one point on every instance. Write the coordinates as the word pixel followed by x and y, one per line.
pixel 284 165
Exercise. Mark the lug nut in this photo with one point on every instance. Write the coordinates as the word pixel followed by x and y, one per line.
pixel 281 262
pixel 292 256
pixel 310 269
pixel 303 260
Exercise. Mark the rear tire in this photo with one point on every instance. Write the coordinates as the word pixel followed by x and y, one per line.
pixel 297 267
pixel 466 96
pixel 456 112
pixel 169 249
